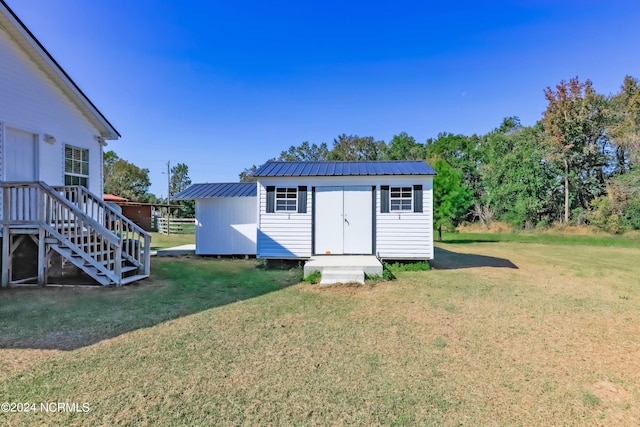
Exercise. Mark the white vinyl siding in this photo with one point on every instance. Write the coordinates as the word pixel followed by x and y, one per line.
pixel 398 234
pixel 226 226
pixel 406 234
pixel 283 234
pixel 32 103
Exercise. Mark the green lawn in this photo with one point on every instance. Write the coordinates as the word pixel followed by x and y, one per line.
pixel 162 241
pixel 626 241
pixel 506 333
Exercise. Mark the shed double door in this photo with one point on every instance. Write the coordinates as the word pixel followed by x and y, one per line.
pixel 343 220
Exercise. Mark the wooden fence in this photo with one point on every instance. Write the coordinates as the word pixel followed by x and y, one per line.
pixel 166 225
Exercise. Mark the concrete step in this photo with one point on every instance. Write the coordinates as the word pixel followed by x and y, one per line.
pixel 367 263
pixel 334 275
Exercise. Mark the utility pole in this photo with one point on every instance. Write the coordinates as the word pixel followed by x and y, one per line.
pixel 168 197
pixel 169 182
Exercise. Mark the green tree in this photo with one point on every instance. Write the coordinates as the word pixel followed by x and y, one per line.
pixel 451 199
pixel 575 122
pixel 405 147
pixel 520 187
pixel 625 128
pixel 305 153
pixel 179 181
pixel 619 209
pixel 247 174
pixel 462 153
pixel 125 179
pixel 353 147
pixel 108 159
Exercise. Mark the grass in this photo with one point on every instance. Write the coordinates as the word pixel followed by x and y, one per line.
pixel 626 241
pixel 65 319
pixel 515 333
pixel 161 241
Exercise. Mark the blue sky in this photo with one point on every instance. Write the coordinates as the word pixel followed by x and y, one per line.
pixel 222 85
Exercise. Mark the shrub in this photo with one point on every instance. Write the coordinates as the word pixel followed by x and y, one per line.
pixel 313 277
pixel 409 266
pixel 603 216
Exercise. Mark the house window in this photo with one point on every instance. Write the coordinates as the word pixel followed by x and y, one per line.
pixel 76 166
pixel 286 199
pixel 401 198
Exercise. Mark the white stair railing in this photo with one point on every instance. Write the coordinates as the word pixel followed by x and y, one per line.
pixel 135 242
pixel 80 221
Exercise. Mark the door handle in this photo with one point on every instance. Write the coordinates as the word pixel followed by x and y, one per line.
pixel 347 221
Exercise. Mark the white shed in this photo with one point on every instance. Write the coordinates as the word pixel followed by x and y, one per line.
pixel 226 217
pixel 381 208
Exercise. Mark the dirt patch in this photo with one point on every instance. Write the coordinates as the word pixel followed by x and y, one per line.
pixel 15 360
pixel 610 393
pixel 349 288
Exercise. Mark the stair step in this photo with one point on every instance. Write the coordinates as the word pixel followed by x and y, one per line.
pixel 331 277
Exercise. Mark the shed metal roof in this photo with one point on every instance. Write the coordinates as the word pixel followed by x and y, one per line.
pixel 217 190
pixel 399 167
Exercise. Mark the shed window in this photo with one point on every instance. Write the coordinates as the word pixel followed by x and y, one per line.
pixel 76 166
pixel 286 199
pixel 401 198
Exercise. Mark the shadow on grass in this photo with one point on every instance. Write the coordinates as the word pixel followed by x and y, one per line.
pixel 448 260
pixel 462 241
pixel 70 318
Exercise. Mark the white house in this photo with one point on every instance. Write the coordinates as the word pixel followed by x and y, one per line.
pixel 226 217
pixel 381 208
pixel 51 143
pixel 49 130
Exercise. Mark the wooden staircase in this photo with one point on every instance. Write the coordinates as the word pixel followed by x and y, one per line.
pixel 77 225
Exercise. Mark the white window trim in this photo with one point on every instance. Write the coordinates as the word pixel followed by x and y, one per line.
pixel 391 199
pixel 287 190
pixel 64 165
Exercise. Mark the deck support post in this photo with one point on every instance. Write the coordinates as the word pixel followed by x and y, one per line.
pixel 42 258
pixel 6 260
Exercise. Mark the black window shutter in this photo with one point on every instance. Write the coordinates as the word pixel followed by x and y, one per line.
pixel 271 199
pixel 417 198
pixel 302 199
pixel 384 199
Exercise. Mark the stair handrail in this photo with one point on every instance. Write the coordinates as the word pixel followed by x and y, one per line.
pixel 131 253
pixel 108 234
pixel 43 212
pixel 40 212
pixel 95 199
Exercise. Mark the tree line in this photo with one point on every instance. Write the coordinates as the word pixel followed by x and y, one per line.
pixel 577 165
pixel 125 179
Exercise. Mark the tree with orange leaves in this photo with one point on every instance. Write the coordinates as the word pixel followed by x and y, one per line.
pixel 575 123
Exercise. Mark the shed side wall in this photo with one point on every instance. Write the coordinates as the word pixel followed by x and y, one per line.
pixel 226 226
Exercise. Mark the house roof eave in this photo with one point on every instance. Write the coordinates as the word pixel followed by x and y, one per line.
pixel 10 22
